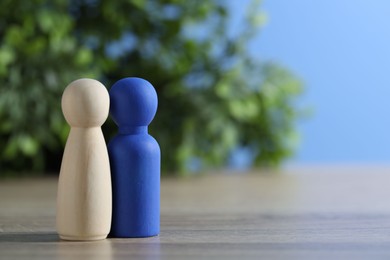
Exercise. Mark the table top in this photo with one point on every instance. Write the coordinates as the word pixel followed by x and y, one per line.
pixel 311 212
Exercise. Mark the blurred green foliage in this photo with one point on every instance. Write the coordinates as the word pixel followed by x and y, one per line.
pixel 213 96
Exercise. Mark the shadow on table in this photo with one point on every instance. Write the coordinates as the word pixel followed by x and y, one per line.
pixel 29 237
pixel 48 245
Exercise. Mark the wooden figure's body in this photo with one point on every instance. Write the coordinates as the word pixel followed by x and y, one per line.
pixel 84 200
pixel 135 160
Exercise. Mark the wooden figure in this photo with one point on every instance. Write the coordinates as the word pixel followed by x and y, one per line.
pixel 135 160
pixel 84 201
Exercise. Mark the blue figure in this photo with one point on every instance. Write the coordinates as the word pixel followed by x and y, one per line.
pixel 135 160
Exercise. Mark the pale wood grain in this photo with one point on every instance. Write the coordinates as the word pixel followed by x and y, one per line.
pixel 338 214
pixel 84 198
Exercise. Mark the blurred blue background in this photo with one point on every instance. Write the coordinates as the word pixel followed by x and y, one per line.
pixel 341 50
pixel 241 110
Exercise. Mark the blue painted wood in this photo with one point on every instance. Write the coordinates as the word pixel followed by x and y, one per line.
pixel 135 160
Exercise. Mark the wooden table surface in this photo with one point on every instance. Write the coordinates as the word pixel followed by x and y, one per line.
pixel 308 213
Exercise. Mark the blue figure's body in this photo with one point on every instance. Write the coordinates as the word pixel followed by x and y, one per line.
pixel 135 160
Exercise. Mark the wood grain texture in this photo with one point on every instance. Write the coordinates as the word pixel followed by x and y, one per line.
pixel 321 213
pixel 84 201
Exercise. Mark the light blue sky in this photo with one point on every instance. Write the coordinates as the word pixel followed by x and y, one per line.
pixel 341 49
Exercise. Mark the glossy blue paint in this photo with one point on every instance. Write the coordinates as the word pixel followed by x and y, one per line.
pixel 135 160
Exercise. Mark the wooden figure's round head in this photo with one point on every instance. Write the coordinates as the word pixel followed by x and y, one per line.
pixel 133 102
pixel 85 103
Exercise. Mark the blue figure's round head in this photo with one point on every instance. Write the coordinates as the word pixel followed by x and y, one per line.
pixel 133 102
